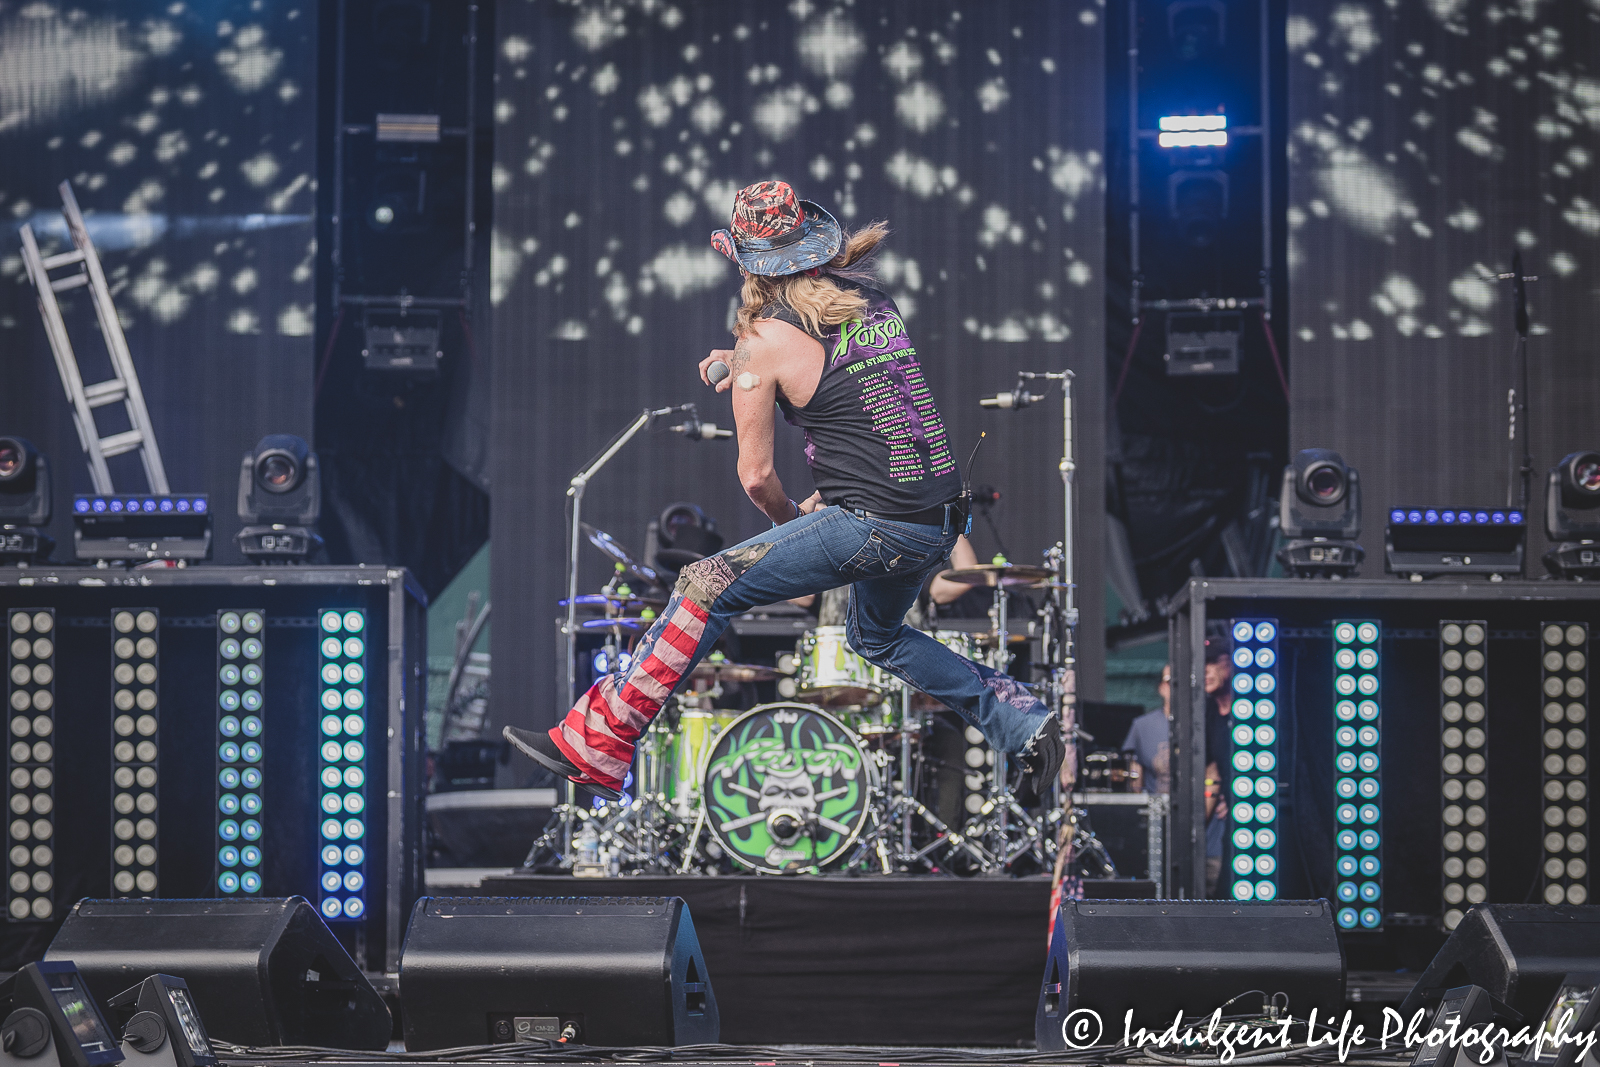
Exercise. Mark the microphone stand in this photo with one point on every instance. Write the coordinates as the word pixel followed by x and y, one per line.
pixel 569 628
pixel 1059 648
pixel 1516 401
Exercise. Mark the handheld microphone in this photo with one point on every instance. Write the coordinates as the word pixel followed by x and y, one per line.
pixel 717 371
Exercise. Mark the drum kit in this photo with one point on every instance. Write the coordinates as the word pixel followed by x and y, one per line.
pixel 831 777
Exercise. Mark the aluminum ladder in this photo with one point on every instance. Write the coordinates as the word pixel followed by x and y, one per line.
pixel 123 385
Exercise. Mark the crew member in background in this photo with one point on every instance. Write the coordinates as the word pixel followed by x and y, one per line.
pixel 1149 739
pixel 820 343
pixel 1219 769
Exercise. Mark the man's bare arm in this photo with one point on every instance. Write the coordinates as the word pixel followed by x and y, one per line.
pixel 753 417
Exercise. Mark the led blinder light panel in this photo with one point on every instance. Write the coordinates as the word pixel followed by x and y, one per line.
pixel 241 737
pixel 342 762
pixel 135 756
pixel 30 788
pixel 1358 782
pixel 1253 751
pixel 1564 663
pixel 1463 767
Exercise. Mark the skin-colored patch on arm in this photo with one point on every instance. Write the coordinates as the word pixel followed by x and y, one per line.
pixel 747 381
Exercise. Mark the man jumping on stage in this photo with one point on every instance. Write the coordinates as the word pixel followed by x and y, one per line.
pixel 818 341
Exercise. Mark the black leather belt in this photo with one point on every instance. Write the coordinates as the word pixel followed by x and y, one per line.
pixel 933 516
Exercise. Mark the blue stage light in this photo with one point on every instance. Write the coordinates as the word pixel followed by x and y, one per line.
pixel 166 505
pixel 183 506
pixel 200 505
pixel 1430 516
pixel 1397 516
pixel 81 506
pixel 1192 131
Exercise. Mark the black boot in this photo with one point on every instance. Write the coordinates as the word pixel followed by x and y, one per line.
pixel 537 746
pixel 1041 757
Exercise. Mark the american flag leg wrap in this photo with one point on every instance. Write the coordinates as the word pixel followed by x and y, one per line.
pixel 598 734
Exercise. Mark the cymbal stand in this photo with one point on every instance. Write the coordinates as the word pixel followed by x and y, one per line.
pixel 894 809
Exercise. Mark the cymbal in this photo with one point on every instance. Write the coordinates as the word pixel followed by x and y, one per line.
pixel 631 623
pixel 723 670
pixel 841 696
pixel 1009 575
pixel 610 546
pixel 627 602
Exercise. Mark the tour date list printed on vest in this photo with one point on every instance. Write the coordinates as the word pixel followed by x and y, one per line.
pixel 895 395
pixel 874 435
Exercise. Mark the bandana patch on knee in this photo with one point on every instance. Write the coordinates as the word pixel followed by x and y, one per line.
pixel 703 581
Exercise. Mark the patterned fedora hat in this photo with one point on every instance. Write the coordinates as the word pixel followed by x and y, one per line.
pixel 773 232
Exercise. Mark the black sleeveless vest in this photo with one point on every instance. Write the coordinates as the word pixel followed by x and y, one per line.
pixel 874 438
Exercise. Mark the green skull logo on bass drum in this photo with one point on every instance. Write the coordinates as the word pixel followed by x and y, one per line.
pixel 787 788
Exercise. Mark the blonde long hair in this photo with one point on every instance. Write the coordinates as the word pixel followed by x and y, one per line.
pixel 817 300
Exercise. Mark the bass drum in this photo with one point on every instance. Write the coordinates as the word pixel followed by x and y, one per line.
pixel 787 788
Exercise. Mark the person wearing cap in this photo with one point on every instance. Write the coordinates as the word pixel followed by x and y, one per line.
pixel 816 340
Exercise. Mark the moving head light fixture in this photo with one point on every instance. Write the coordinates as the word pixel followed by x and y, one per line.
pixel 1572 517
pixel 24 502
pixel 1319 510
pixel 280 499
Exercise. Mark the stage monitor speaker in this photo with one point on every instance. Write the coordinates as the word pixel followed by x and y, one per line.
pixel 262 971
pixel 1518 952
pixel 1163 957
pixel 588 970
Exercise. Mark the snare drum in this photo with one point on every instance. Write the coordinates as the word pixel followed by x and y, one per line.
pixel 832 675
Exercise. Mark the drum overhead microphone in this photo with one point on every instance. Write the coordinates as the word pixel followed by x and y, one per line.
pixel 1014 401
pixel 696 430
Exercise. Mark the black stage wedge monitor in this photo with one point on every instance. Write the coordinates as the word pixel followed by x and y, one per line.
pixel 1520 953
pixel 51 1020
pixel 261 971
pixel 588 970
pixel 1162 957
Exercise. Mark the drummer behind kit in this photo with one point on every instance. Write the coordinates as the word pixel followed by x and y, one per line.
pixel 829 779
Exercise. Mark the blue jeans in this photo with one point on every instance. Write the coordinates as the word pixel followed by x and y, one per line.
pixel 884 563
